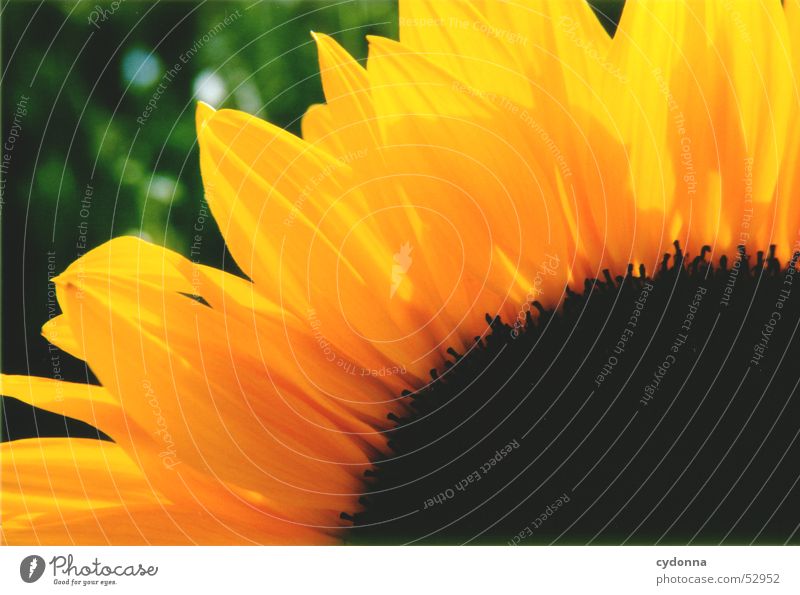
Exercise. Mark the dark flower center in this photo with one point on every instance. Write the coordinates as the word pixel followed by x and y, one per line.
pixel 646 410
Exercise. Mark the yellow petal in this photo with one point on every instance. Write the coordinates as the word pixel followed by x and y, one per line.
pixel 787 190
pixel 454 35
pixel 55 476
pixel 68 491
pixel 347 93
pixel 168 525
pixel 179 369
pixel 705 113
pixel 320 129
pixel 91 404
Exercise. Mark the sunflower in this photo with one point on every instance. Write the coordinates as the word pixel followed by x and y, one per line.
pixel 495 237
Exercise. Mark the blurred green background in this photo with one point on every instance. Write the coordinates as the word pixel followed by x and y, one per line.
pixel 88 162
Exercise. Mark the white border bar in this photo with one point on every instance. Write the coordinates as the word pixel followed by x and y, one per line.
pixel 415 570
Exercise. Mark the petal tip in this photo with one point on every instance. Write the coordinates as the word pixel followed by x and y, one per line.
pixel 203 114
